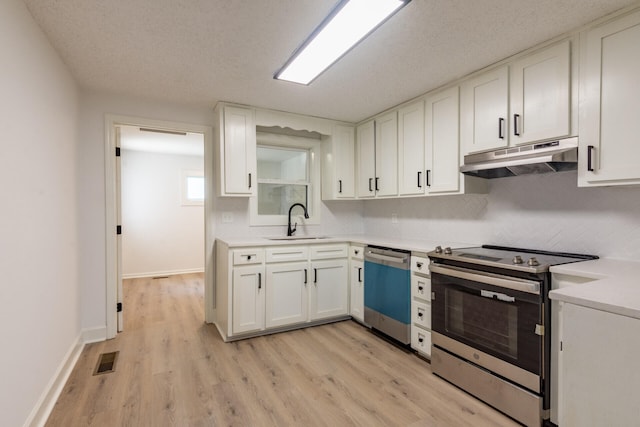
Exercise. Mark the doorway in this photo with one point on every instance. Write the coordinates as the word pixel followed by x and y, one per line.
pixel 121 129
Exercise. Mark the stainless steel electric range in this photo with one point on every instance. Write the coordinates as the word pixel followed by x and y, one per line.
pixel 491 331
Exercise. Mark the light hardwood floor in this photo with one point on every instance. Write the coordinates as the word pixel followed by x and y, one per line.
pixel 175 370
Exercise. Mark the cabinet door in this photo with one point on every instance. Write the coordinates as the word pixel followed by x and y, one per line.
pixel 248 299
pixel 540 94
pixel 442 142
pixel 338 164
pixel 239 151
pixel 386 137
pixel 329 289
pixel 344 162
pixel 366 159
pixel 411 169
pixel 286 294
pixel 610 101
pixel 485 111
pixel 357 290
pixel 599 368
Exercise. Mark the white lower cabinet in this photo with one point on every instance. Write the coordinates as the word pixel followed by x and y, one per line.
pixel 328 294
pixel 421 340
pixel 286 294
pixel 420 305
pixel 260 290
pixel 356 301
pixel 599 368
pixel 248 299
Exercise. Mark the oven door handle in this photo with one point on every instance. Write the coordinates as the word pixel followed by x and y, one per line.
pixel 513 283
pixel 497 295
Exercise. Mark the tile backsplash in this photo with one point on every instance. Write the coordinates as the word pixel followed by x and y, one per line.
pixel 532 211
pixel 546 212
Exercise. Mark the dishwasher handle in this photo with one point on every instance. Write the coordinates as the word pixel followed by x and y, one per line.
pixel 392 258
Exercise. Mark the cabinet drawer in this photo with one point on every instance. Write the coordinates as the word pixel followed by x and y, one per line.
pixel 421 287
pixel 421 314
pixel 329 251
pixel 420 265
pixel 248 256
pixel 287 253
pixel 356 252
pixel 421 340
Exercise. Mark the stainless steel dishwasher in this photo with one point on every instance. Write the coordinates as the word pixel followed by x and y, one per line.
pixel 387 291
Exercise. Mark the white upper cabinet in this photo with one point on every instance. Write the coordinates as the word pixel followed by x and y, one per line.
pixel 411 169
pixel 366 159
pixel 541 95
pixel 235 140
pixel 386 143
pixel 377 157
pixel 609 153
pixel 338 167
pixel 485 111
pixel 522 102
pixel 442 158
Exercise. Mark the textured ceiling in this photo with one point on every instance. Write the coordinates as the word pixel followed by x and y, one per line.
pixel 203 51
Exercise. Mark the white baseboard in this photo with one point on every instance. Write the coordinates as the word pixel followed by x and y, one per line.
pixel 162 273
pixel 49 397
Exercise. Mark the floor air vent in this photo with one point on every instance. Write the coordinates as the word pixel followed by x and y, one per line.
pixel 106 363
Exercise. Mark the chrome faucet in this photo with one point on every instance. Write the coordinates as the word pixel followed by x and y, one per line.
pixel 290 230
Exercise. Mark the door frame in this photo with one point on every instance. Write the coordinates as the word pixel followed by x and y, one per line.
pixel 111 205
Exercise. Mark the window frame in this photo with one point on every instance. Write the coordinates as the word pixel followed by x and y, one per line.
pixel 313 146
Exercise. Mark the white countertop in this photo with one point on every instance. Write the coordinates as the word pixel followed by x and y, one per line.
pixel 389 242
pixel 615 287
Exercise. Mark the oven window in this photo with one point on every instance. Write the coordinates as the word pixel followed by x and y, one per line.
pixel 485 321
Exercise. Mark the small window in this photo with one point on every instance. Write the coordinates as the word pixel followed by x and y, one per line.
pixel 192 188
pixel 283 179
pixel 288 173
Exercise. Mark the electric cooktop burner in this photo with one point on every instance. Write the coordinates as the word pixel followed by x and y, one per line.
pixel 529 260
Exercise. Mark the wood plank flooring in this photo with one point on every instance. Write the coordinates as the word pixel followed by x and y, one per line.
pixel 175 370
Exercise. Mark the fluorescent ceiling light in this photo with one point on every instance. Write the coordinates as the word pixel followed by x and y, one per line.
pixel 348 23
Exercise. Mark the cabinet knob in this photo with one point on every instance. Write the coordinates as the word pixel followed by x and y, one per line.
pixel 420 288
pixel 419 265
pixel 248 257
pixel 356 251
pixel 420 315
pixel 420 340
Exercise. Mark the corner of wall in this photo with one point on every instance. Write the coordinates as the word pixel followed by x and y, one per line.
pixel 45 404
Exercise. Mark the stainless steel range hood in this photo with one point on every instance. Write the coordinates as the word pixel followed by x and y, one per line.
pixel 552 156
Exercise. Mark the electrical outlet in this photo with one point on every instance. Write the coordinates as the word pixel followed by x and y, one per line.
pixel 227 217
pixel 394 218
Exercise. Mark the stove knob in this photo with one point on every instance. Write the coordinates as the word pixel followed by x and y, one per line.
pixel 517 259
pixel 533 261
pixel 447 251
pixel 438 249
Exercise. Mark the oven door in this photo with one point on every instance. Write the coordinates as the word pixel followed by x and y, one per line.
pixel 498 315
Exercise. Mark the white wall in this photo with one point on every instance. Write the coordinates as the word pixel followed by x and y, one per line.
pixel 38 234
pixel 532 211
pixel 160 236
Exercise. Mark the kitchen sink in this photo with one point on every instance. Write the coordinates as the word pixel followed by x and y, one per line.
pixel 298 238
